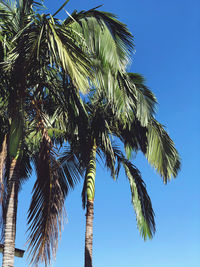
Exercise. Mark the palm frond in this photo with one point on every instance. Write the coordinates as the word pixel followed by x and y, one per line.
pixel 146 100
pixel 105 36
pixel 141 202
pixel 106 147
pixel 60 8
pixel 66 51
pixel 140 198
pixel 46 209
pixel 71 167
pixel 161 152
pixel 25 167
pixel 134 136
pixel 84 194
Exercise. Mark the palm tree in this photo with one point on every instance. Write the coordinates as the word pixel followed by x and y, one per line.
pixel 140 131
pixel 39 56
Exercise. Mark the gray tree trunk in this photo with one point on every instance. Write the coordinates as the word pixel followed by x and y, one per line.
pixel 11 215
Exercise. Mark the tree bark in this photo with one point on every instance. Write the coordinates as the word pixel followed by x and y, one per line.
pixel 11 215
pixel 90 181
pixel 89 233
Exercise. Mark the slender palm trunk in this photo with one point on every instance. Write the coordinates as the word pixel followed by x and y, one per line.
pixel 90 178
pixel 11 215
pixel 89 234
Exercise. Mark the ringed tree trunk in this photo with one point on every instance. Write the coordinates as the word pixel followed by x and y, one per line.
pixel 11 214
pixel 14 152
pixel 90 182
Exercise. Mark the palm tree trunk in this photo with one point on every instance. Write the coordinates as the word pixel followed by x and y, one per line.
pixel 89 234
pixel 90 180
pixel 11 215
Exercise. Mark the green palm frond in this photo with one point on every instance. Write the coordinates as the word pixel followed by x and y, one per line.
pixel 105 36
pixel 146 100
pixel 161 152
pixel 140 198
pixel 73 60
pixel 141 202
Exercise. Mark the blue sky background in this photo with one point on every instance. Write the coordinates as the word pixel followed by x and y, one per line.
pixel 167 44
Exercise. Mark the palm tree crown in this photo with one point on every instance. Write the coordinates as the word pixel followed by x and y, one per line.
pixel 45 62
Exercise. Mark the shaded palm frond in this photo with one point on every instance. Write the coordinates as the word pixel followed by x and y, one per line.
pixel 133 136
pixel 25 167
pixel 161 152
pixel 84 194
pixel 46 209
pixel 71 167
pixel 108 154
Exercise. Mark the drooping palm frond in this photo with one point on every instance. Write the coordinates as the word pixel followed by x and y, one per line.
pixel 141 202
pixel 140 198
pixel 73 60
pixel 146 101
pixel 161 152
pixel 25 167
pixel 106 37
pixel 71 167
pixel 133 136
pixel 127 95
pixel 106 148
pixel 46 209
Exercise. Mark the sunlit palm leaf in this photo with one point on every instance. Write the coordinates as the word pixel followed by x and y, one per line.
pixel 63 47
pixel 106 37
pixel 141 202
pixel 161 151
pixel 146 100
pixel 140 198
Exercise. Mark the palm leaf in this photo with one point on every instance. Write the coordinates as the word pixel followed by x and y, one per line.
pixel 64 48
pixel 105 36
pixel 141 202
pixel 140 198
pixel 161 152
pixel 146 100
pixel 46 208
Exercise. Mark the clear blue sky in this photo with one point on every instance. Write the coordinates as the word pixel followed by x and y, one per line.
pixel 167 53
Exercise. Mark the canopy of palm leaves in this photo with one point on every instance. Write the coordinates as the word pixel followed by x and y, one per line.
pixel 44 63
pixel 105 125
